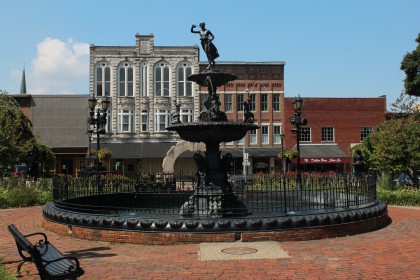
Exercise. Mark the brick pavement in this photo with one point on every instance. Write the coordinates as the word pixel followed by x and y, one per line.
pixel 390 253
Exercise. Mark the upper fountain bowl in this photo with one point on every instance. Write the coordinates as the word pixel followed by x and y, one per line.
pixel 212 78
pixel 210 131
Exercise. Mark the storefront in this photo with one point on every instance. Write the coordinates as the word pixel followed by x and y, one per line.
pixel 322 158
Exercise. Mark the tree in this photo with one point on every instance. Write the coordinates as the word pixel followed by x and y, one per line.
pixel 411 66
pixel 394 146
pixel 16 137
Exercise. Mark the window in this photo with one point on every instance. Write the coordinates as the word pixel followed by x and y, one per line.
pixel 130 167
pixel 253 137
pixel 203 99
pixel 125 121
pixel 364 132
pixel 264 134
pixel 186 115
pixel 184 86
pixel 251 101
pixel 143 79
pixel 162 119
pixel 240 102
pixel 264 102
pixel 228 102
pixel 276 102
pixel 144 120
pixel 125 80
pixel 276 134
pixel 108 121
pixel 241 141
pixel 103 79
pixel 162 79
pixel 327 134
pixel 305 134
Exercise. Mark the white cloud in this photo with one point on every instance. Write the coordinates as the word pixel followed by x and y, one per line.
pixel 60 67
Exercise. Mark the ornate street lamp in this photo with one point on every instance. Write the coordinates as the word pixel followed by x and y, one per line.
pixel 89 133
pixel 245 161
pixel 298 122
pixel 98 123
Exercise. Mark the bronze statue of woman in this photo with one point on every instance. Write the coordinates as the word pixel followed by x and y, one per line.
pixel 209 48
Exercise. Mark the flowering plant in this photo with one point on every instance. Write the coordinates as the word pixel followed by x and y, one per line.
pixel 104 154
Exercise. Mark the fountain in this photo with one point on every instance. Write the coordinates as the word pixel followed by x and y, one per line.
pixel 213 193
pixel 215 209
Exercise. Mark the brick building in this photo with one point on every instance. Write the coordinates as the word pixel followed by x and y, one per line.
pixel 262 85
pixel 335 125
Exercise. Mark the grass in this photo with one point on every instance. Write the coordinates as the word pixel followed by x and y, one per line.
pixel 5 274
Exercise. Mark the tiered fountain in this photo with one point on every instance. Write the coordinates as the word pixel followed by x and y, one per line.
pixel 213 195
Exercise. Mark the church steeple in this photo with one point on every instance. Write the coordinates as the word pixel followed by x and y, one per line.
pixel 23 83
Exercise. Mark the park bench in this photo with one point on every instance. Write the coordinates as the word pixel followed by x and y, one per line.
pixel 49 261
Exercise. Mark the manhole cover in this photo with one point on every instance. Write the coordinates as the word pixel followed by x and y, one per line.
pixel 239 250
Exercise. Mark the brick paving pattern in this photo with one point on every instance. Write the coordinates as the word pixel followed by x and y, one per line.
pixel 390 253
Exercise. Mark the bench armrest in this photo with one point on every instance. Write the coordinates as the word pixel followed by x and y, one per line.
pixel 45 240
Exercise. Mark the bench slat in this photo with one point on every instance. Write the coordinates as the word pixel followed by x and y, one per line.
pixel 50 253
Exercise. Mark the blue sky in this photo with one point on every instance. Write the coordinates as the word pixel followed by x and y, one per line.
pixel 332 48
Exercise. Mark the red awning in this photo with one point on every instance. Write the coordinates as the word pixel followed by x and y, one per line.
pixel 323 160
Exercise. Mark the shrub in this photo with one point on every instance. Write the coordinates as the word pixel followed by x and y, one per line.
pixel 402 197
pixel 19 192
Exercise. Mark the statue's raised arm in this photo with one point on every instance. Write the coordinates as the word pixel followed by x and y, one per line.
pixel 209 48
pixel 192 29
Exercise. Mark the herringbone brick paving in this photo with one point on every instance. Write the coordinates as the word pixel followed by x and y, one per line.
pixel 390 253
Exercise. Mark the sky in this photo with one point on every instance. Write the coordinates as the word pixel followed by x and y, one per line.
pixel 332 48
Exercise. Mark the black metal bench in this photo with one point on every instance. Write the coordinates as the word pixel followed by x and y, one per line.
pixel 50 262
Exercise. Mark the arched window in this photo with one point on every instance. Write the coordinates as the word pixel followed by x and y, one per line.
pixel 125 79
pixel 162 79
pixel 102 79
pixel 184 87
pixel 143 79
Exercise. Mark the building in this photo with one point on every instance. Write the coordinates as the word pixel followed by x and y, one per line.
pixel 59 121
pixel 335 126
pixel 262 85
pixel 143 83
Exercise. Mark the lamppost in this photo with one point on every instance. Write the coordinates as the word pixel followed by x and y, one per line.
pixel 283 172
pixel 90 132
pixel 245 161
pixel 298 122
pixel 99 123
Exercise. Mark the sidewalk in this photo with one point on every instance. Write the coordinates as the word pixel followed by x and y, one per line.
pixel 389 253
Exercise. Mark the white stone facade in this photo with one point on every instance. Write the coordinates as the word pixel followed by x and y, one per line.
pixel 139 111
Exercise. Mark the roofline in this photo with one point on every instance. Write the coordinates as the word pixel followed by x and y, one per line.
pixel 333 97
pixel 61 95
pixel 245 62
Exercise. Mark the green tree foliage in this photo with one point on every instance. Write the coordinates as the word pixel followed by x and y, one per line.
pixel 394 146
pixel 411 66
pixel 16 137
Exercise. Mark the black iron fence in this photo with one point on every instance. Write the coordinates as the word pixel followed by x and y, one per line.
pixel 264 195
